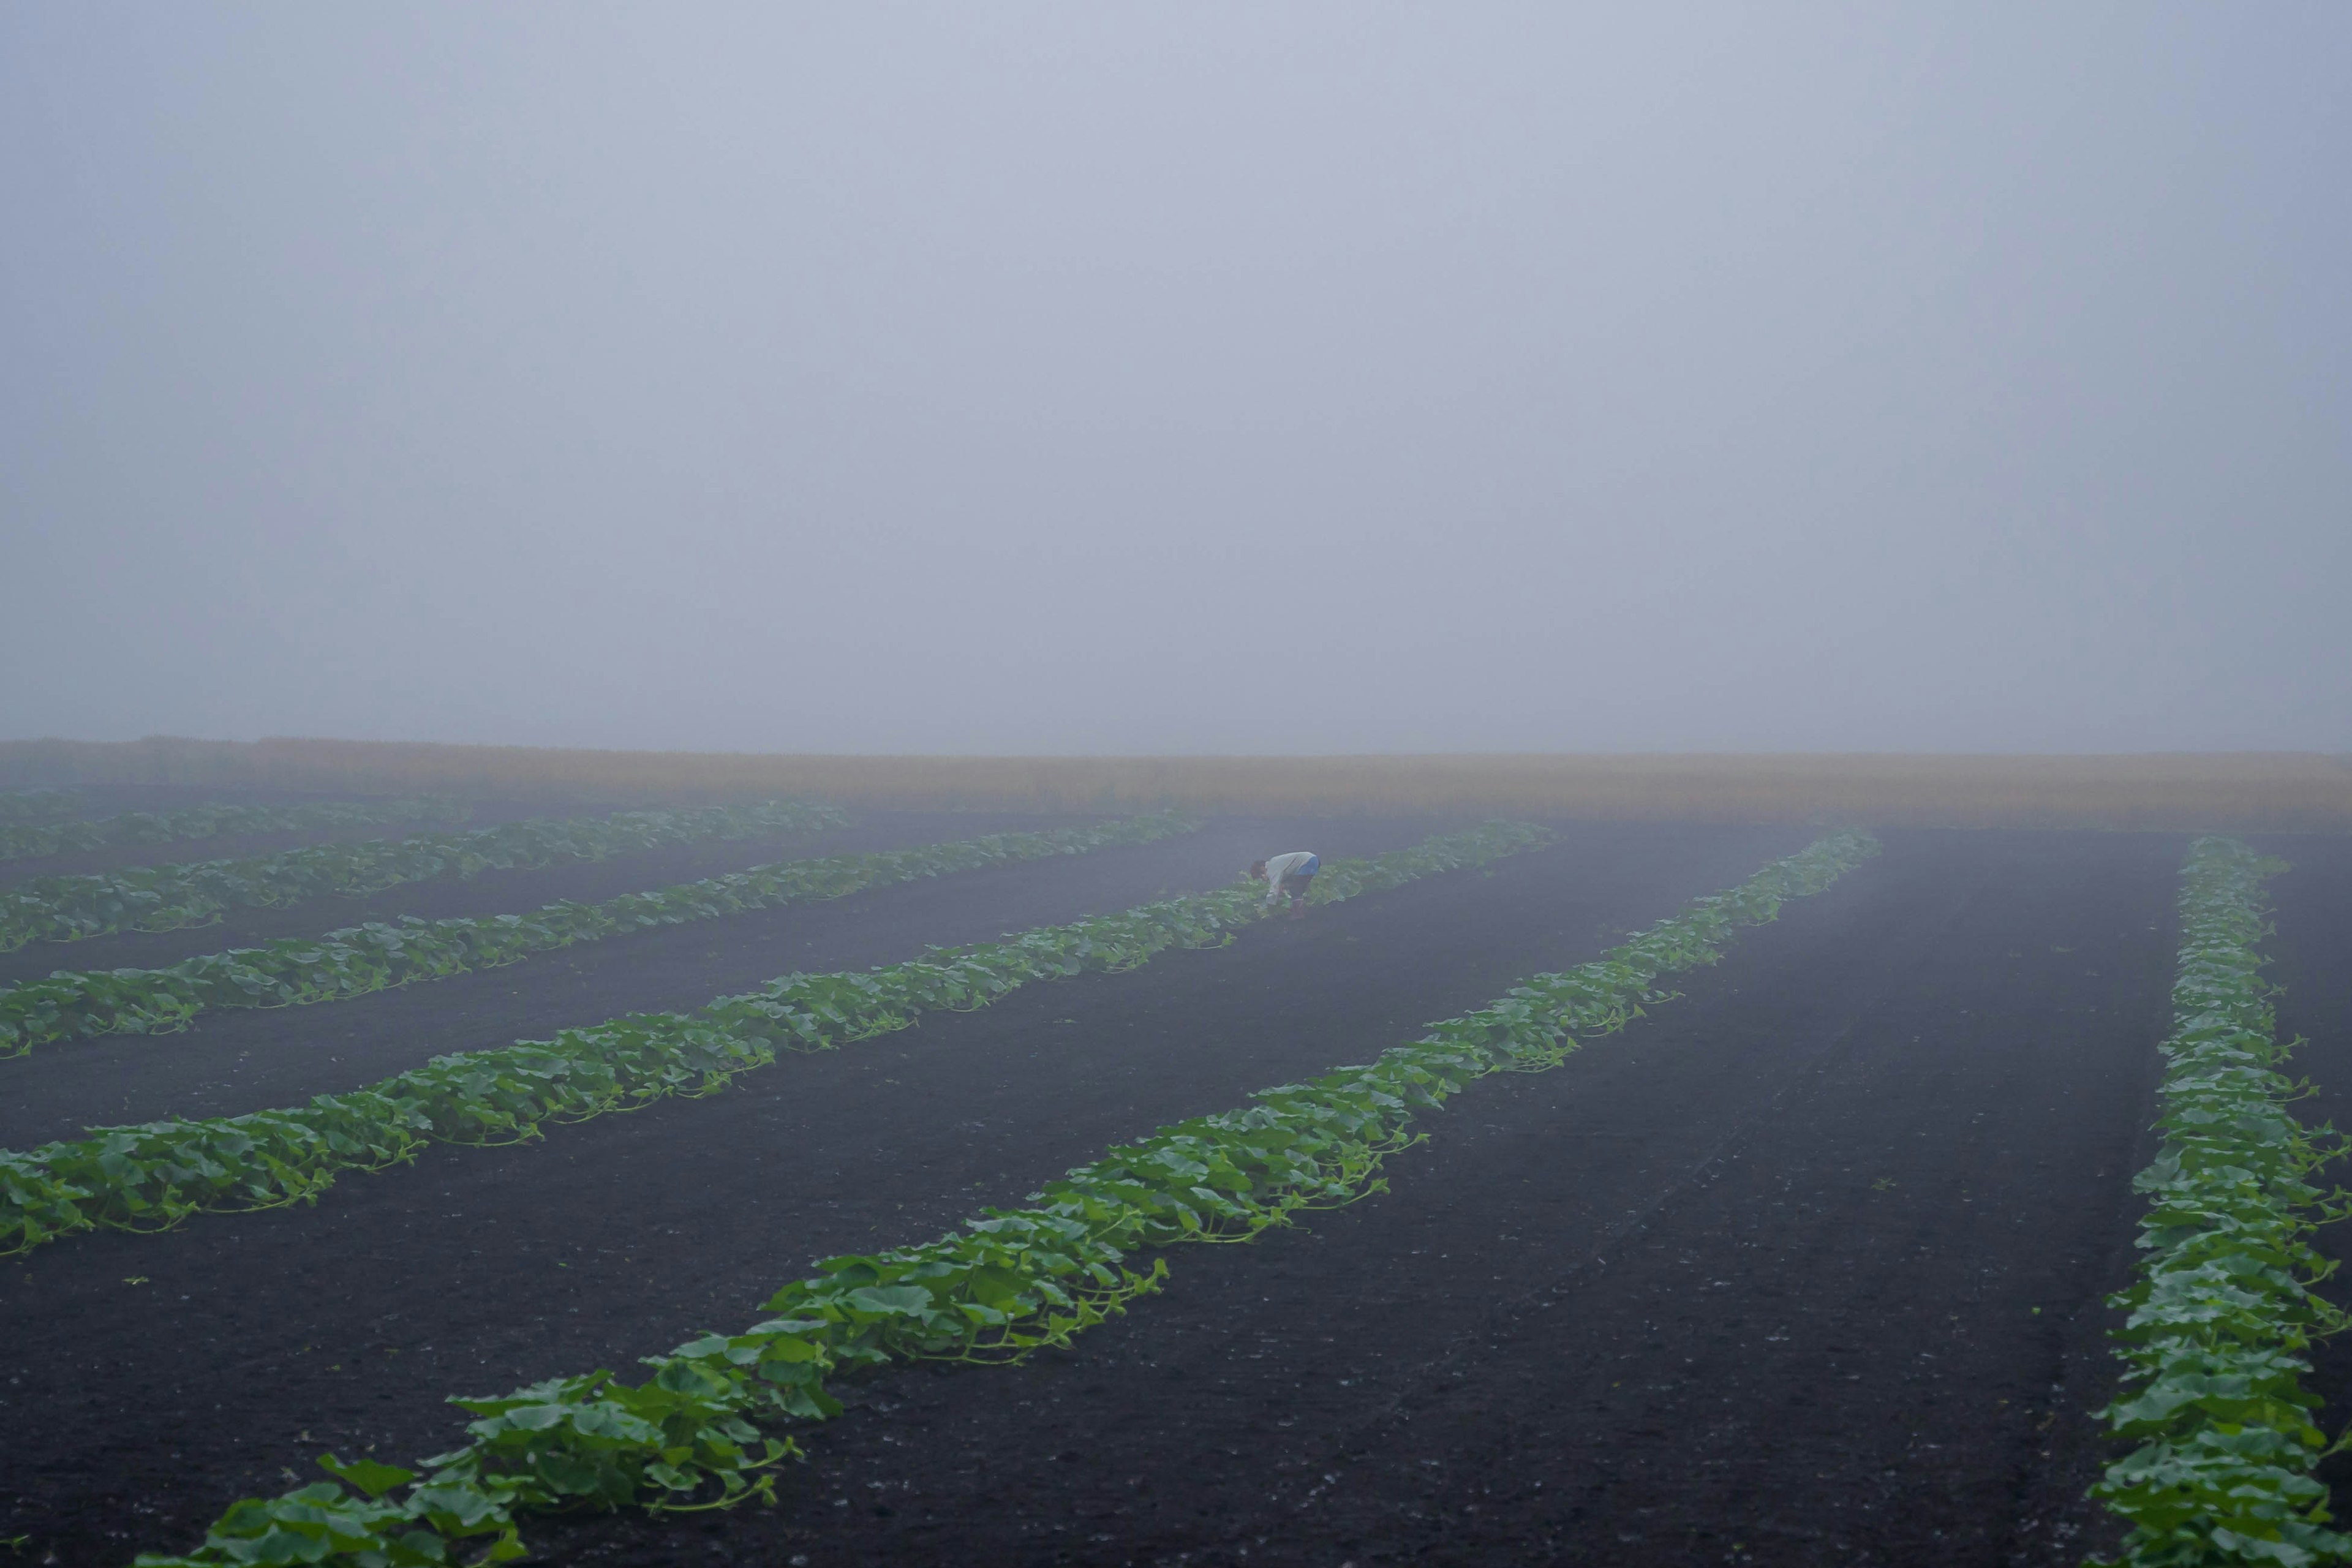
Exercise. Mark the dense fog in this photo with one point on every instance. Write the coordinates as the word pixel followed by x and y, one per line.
pixel 1071 378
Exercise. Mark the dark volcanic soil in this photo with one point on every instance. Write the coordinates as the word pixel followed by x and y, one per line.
pixel 477 1268
pixel 234 1062
pixel 1756 1281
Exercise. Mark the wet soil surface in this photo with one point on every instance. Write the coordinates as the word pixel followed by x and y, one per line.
pixel 508 892
pixel 136 1411
pixel 1808 1267
pixel 233 1061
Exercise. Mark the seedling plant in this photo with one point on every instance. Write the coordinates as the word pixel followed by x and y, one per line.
pixel 36 805
pixel 301 970
pixel 213 821
pixel 2226 1306
pixel 151 1176
pixel 170 898
pixel 719 1412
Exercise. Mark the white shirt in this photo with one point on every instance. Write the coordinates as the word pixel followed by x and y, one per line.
pixel 1280 865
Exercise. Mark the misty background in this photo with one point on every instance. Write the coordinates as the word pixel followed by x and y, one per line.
pixel 1028 378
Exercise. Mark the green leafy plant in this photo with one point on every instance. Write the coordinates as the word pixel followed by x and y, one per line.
pixel 151 1176
pixel 299 970
pixel 212 820
pixel 2226 1305
pixel 1001 1286
pixel 168 898
pixel 32 805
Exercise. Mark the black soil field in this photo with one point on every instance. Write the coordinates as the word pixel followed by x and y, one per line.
pixel 136 1411
pixel 1807 1268
pixel 234 1062
pixel 508 892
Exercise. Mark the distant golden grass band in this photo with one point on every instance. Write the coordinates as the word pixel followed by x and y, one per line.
pixel 2243 791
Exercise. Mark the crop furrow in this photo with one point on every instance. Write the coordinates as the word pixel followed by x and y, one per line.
pixel 302 970
pixel 998 1288
pixel 151 1176
pixel 2224 1311
pixel 171 897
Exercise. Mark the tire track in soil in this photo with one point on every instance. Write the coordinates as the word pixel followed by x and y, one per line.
pixel 1654 1307
pixel 233 1061
pixel 131 1414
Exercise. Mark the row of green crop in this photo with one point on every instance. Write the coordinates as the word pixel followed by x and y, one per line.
pixel 32 805
pixel 18 840
pixel 167 897
pixel 689 1435
pixel 2223 1313
pixel 298 971
pixel 151 1176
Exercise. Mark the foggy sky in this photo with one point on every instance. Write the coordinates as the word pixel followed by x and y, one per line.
pixel 1248 378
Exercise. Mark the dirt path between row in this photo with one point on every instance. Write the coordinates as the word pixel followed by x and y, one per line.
pixel 134 1412
pixel 234 1062
pixel 1807 1268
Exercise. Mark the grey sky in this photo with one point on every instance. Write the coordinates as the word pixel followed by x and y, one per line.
pixel 1184 378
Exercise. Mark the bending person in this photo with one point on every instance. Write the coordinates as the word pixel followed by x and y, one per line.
pixel 1289 876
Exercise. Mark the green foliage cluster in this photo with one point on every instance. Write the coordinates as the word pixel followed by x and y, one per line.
pixel 17 840
pixel 149 1177
pixel 2224 1310
pixel 298 971
pixel 168 898
pixel 32 805
pixel 999 1287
